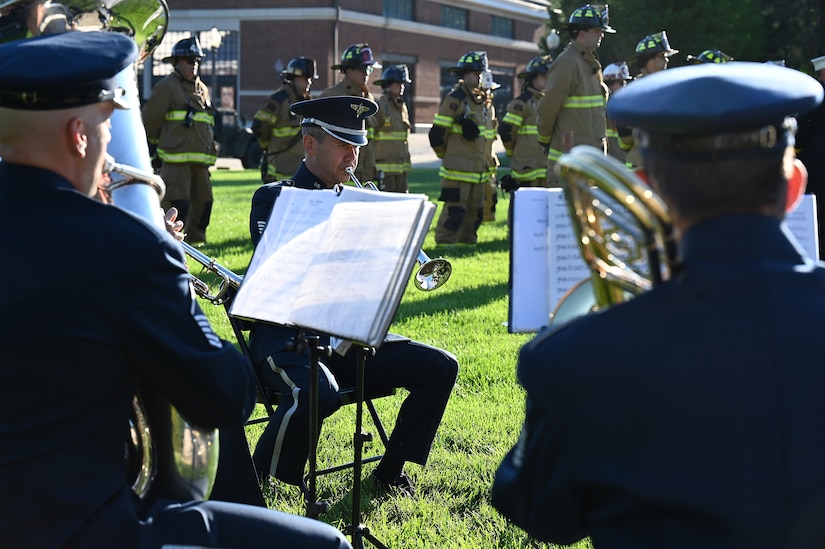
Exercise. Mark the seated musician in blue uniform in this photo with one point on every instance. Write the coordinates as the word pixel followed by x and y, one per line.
pixel 333 130
pixel 103 305
pixel 690 415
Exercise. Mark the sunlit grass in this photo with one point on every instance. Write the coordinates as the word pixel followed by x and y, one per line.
pixel 466 316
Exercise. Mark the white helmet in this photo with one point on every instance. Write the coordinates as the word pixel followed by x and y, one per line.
pixel 616 71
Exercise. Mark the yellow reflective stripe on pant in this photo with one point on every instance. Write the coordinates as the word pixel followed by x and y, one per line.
pixel 180 158
pixel 466 177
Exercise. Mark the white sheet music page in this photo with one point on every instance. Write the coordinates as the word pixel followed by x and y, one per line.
pixel 803 224
pixel 349 283
pixel 529 265
pixel 293 232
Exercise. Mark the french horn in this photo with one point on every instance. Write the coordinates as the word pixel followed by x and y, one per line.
pixel 622 227
pixel 167 457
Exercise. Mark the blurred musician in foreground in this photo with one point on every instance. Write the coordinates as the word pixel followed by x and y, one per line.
pixel 699 426
pixel 105 304
pixel 333 130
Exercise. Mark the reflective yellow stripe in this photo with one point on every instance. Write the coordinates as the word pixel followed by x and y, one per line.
pixel 392 168
pixel 512 118
pixel 611 133
pixel 584 102
pixel 204 117
pixel 528 130
pixel 443 121
pixel 392 136
pixel 270 170
pixel 538 173
pixel 370 133
pixel 286 131
pixel 180 158
pixel 553 154
pixel 467 177
pixel 268 117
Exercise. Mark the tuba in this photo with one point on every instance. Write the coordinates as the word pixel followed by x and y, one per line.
pixel 166 456
pixel 622 227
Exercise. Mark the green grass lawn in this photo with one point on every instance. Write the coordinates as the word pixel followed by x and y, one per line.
pixel 466 316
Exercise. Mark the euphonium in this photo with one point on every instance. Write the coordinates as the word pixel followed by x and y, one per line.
pixel 171 458
pixel 623 229
pixel 431 273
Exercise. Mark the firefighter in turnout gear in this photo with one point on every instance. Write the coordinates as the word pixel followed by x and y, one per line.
pixel 616 76
pixel 462 136
pixel 518 131
pixel 572 111
pixel 357 64
pixel 392 131
pixel 179 120
pixel 276 128
pixel 652 55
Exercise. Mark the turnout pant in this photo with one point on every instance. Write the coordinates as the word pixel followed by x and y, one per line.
pixel 189 189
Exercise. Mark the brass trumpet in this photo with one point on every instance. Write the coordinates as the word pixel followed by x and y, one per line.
pixel 431 273
pixel 623 229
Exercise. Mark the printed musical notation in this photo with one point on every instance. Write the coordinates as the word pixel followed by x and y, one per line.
pixel 546 261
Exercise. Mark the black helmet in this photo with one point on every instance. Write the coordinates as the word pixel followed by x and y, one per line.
pixel 300 66
pixel 355 57
pixel 652 45
pixel 587 17
pixel 188 47
pixel 709 56
pixel 474 61
pixel 394 73
pixel 537 65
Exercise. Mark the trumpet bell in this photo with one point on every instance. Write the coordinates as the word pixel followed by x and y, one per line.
pixel 432 274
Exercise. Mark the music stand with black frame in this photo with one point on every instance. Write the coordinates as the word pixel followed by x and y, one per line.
pixel 356 529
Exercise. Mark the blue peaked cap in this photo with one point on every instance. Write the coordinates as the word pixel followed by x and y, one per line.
pixel 63 71
pixel 342 117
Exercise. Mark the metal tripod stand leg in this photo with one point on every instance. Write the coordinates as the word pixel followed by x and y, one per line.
pixel 314 508
pixel 356 529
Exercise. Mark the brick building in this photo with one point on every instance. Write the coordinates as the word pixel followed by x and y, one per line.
pixel 248 42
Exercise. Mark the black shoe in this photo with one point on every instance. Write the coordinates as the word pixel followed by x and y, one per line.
pixel 400 483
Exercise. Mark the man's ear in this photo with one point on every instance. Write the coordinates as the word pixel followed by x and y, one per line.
pixel 796 185
pixel 309 144
pixel 76 130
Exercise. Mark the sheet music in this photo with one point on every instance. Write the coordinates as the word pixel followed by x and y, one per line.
pixel 546 259
pixel 337 263
pixel 802 222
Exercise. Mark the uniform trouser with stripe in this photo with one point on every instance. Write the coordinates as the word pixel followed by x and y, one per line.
pixel 462 212
pixel 428 374
pixel 189 189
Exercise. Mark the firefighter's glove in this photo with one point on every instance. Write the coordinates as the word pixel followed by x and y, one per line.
pixel 469 129
pixel 508 183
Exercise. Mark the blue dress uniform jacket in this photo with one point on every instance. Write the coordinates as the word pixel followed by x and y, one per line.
pixel 428 374
pixel 103 302
pixel 690 416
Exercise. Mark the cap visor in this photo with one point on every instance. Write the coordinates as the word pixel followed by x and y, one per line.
pixel 357 140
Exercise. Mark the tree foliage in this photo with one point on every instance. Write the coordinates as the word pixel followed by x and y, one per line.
pixel 748 30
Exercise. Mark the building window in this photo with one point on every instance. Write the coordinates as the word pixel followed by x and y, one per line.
pixel 454 18
pixel 398 9
pixel 501 26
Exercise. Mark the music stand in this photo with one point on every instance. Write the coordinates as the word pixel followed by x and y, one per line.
pixel 356 529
